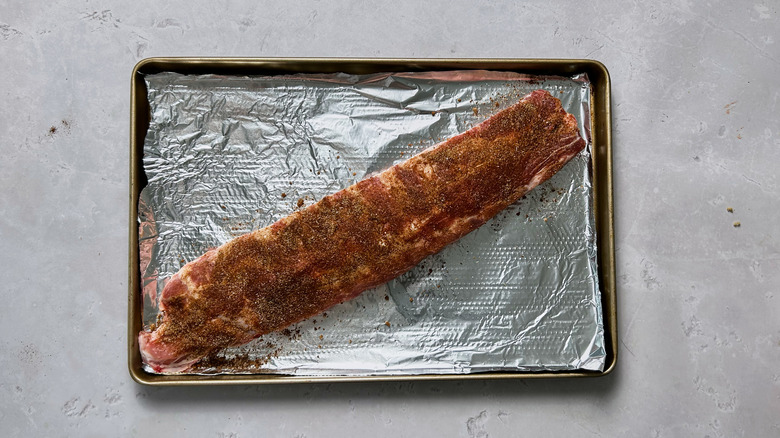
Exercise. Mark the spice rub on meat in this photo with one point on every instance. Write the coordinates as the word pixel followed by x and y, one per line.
pixel 359 237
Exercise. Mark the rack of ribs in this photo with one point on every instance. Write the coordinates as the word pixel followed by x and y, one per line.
pixel 359 237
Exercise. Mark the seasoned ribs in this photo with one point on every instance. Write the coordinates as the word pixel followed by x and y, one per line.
pixel 359 237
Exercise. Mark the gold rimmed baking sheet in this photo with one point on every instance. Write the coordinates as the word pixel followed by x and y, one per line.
pixel 601 182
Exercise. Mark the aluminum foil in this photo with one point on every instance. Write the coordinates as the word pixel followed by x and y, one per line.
pixel 228 155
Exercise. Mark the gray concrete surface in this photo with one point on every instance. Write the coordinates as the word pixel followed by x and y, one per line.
pixel 696 130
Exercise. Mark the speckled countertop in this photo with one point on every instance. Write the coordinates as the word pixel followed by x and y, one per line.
pixel 696 132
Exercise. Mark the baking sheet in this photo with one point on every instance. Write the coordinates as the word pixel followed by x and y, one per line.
pixel 520 293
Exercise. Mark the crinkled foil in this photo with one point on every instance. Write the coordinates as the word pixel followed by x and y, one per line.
pixel 228 155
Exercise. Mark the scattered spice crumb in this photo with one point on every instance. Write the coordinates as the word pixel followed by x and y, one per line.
pixel 338 156
pixel 411 300
pixel 350 341
pixel 730 210
pixel 737 224
pixel 53 130
pixel 387 323
pixel 475 110
pixel 300 202
pixel 320 337
pixel 354 173
pixel 387 298
pixel 458 100
pixel 284 195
